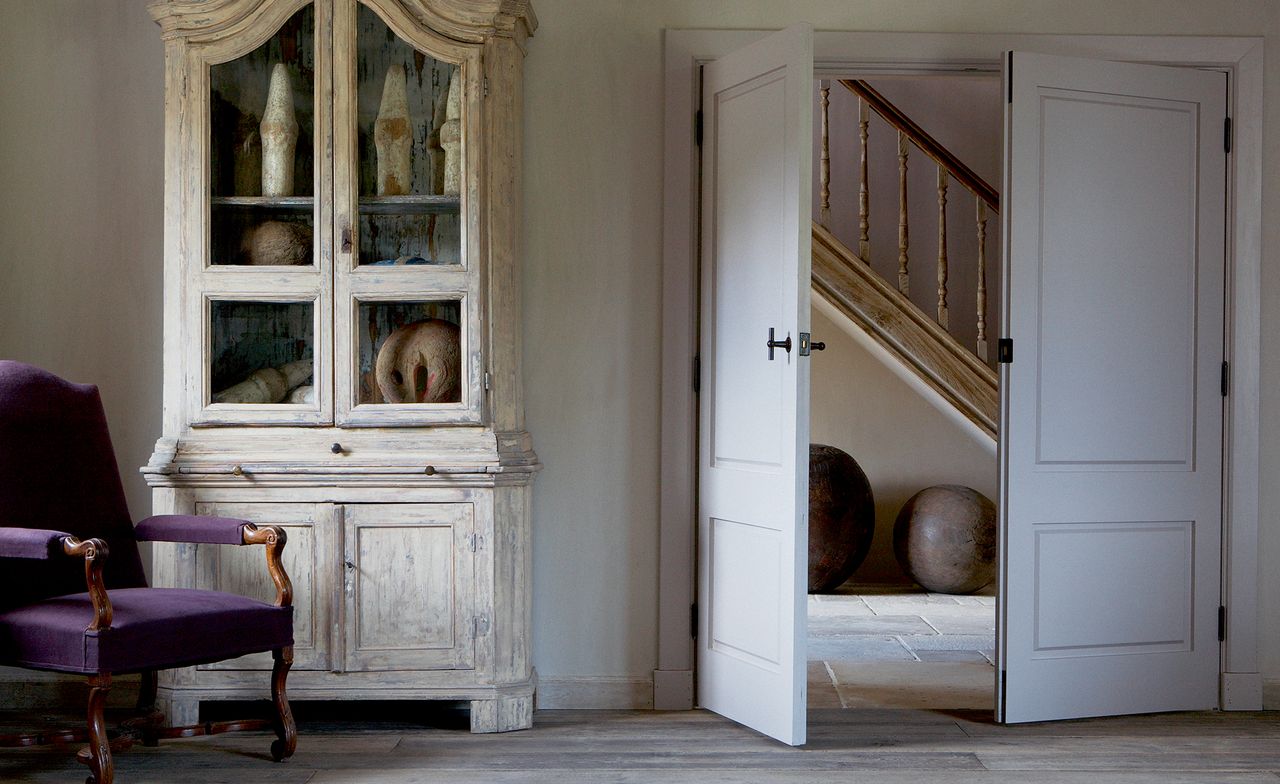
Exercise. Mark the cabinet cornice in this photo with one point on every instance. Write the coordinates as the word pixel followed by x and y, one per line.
pixel 470 21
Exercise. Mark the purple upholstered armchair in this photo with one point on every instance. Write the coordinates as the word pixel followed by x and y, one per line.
pixel 73 596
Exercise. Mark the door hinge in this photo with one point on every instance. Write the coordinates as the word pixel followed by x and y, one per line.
pixel 473 542
pixel 1222 624
pixel 1008 75
pixel 481 627
pixel 1226 134
pixel 697 128
pixel 697 373
pixel 485 85
pixel 488 382
pixel 1004 351
pixel 693 620
pixel 1226 377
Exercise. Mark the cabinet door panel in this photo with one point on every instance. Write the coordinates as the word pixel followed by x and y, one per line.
pixel 409 585
pixel 308 558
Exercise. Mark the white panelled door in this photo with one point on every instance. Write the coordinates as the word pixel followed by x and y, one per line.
pixel 1111 433
pixel 754 402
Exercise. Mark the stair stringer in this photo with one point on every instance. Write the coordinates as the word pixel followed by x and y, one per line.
pixel 916 341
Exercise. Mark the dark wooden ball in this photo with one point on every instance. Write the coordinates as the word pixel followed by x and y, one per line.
pixel 842 517
pixel 945 539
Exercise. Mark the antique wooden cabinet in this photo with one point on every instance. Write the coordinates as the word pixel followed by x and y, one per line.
pixel 342 339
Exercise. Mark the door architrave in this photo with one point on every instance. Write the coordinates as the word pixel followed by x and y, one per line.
pixel 941 53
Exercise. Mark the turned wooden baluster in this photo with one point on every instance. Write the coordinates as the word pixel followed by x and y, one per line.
pixel 904 281
pixel 942 247
pixel 824 171
pixel 864 195
pixel 982 278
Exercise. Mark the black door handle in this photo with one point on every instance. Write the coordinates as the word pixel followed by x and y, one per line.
pixel 782 344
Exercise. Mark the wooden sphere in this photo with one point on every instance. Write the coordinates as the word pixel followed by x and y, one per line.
pixel 945 539
pixel 842 517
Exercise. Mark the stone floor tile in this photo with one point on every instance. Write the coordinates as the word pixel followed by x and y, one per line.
pixel 947 642
pixel 857 648
pixel 875 625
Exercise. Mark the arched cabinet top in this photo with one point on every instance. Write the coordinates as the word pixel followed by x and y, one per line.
pixel 467 21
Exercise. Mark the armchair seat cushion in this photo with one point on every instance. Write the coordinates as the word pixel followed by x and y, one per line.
pixel 152 628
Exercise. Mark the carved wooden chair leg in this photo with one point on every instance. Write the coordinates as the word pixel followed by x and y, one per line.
pixel 98 756
pixel 148 721
pixel 286 731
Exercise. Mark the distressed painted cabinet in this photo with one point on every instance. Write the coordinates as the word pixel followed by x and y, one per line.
pixel 342 341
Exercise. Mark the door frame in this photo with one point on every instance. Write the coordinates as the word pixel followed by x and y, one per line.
pixel 684 51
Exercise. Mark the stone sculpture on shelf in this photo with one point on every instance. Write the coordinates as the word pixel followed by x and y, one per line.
pixel 247 156
pixel 279 131
pixel 276 243
pixel 393 136
pixel 268 385
pixel 303 394
pixel 421 362
pixel 435 153
pixel 945 539
pixel 451 137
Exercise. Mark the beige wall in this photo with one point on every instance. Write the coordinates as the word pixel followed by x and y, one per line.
pixel 81 206
pixel 80 218
pixel 902 442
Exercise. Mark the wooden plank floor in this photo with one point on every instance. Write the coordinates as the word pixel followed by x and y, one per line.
pixel 885 746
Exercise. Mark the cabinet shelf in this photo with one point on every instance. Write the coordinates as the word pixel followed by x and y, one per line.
pixel 273 203
pixel 369 205
pixel 409 205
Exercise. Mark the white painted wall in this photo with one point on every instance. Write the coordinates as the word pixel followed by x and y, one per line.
pixel 80 219
pixel 81 207
pixel 902 442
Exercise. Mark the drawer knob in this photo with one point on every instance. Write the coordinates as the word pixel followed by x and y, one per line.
pixel 237 471
pixel 429 470
pixel 336 448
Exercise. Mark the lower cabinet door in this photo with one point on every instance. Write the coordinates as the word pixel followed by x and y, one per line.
pixel 410 587
pixel 309 554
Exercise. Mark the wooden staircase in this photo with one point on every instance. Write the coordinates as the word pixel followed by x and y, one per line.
pixel 846 280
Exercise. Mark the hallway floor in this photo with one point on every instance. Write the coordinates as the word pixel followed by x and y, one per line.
pixel 897 646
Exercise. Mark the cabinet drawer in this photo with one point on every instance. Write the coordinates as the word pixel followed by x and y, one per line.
pixel 308 557
pixel 409 585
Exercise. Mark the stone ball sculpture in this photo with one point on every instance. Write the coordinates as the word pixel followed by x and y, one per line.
pixel 277 243
pixel 842 517
pixel 421 362
pixel 945 539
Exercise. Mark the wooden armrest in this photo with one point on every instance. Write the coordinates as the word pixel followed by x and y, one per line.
pixel 274 538
pixel 94 552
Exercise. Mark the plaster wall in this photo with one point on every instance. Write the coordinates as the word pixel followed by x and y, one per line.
pixel 902 442
pixel 81 109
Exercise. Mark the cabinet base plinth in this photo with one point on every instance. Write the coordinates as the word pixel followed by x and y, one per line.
pixel 503 714
pixel 493 709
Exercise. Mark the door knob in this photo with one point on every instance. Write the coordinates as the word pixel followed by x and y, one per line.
pixel 782 344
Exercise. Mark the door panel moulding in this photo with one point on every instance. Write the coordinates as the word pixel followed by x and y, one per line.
pixel 945 53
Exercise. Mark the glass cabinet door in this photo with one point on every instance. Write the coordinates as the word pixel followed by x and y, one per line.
pixel 264 284
pixel 407 337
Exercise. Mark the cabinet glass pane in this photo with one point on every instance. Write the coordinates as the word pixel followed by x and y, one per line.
pixel 262 126
pixel 262 352
pixel 410 150
pixel 410 352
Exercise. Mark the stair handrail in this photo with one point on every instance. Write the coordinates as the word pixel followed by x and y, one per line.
pixel 926 143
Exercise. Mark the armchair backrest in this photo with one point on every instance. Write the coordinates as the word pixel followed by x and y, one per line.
pixel 58 471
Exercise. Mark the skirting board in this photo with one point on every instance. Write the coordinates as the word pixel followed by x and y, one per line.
pixel 594 692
